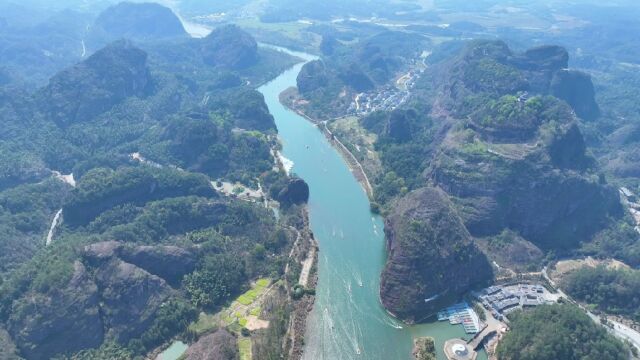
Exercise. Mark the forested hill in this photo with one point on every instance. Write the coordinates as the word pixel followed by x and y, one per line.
pixel 137 21
pixel 144 241
pixel 485 137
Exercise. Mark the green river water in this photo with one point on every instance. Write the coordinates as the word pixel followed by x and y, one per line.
pixel 348 321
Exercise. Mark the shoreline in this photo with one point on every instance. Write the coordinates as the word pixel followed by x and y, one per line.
pixel 352 162
pixel 297 328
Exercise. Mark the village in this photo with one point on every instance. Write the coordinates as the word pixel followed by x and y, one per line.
pixel 391 96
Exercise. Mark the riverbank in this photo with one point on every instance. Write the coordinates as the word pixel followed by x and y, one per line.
pixel 304 251
pixel 347 320
pixel 287 98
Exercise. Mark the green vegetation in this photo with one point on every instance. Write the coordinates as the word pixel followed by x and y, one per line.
pixel 143 132
pixel 619 241
pixel 402 150
pixel 424 348
pixel 244 346
pixel 614 291
pixel 217 278
pixel 360 66
pixel 108 351
pixel 172 318
pixel 558 332
pixel 206 323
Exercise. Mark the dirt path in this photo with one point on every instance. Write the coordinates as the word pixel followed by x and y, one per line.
pixel 306 267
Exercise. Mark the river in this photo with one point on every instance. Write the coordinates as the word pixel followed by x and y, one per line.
pixel 348 321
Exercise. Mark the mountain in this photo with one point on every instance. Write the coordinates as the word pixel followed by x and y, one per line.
pixel 229 46
pixel 484 144
pixel 139 21
pixel 432 258
pixel 520 161
pixel 94 86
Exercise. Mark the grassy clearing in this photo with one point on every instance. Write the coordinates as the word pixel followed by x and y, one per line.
pixel 204 324
pixel 255 311
pixel 244 347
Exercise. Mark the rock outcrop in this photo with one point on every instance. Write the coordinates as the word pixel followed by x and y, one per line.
pixel 142 21
pixel 576 88
pixel 130 298
pixel 170 263
pixel 229 47
pixel 220 345
pixel 114 293
pixel 296 192
pixel 43 324
pixel 509 163
pixel 432 258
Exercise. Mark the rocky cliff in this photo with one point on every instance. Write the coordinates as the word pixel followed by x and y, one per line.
pixel 114 293
pixel 576 88
pixel 71 312
pixel 432 257
pixel 520 160
pixel 296 191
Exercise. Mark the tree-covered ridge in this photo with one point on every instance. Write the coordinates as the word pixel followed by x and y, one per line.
pixel 615 291
pixel 144 242
pixel 557 332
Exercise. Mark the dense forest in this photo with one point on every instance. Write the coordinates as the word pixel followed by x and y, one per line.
pixel 558 332
pixel 614 291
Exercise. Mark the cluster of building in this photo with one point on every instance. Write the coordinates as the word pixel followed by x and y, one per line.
pixel 382 100
pixel 502 300
pixel 390 97
pixel 631 201
pixel 462 314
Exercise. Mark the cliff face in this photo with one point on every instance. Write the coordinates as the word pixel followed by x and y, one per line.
pixel 143 21
pixel 576 88
pixel 115 293
pixel 521 162
pixel 71 312
pixel 95 85
pixel 432 258
pixel 128 292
